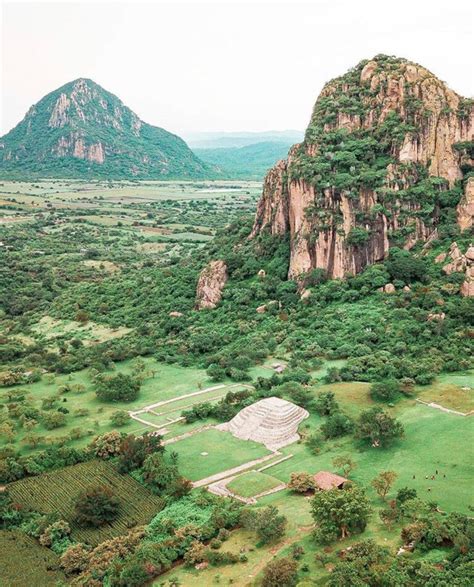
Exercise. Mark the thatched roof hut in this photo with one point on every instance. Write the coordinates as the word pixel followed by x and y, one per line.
pixel 325 480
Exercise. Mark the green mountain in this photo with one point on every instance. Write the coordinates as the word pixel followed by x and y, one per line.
pixel 220 140
pixel 251 161
pixel 81 130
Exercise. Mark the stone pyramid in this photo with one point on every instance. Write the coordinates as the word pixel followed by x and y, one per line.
pixel 271 421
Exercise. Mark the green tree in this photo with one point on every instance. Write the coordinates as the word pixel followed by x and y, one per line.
pixel 326 403
pixel 267 522
pixel 338 513
pixel 117 388
pixel 383 482
pixel 385 391
pixel 378 428
pixel 345 463
pixel 337 424
pixel 96 506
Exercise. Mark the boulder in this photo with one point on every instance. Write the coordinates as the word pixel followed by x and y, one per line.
pixel 436 316
pixel 211 282
pixel 388 288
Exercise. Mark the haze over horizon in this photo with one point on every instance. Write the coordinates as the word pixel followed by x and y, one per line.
pixel 216 67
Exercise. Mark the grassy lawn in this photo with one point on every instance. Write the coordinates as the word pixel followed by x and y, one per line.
pixel 451 390
pixel 433 441
pixel 169 381
pixel 252 483
pixel 58 490
pixel 224 452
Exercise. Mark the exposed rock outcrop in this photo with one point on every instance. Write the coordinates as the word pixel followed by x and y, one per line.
pixel 462 264
pixel 212 280
pixel 380 148
pixel 81 130
pixel 465 209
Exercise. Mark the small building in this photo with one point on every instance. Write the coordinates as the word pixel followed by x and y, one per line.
pixel 325 481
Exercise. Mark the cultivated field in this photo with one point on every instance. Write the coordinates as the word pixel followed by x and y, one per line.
pixel 56 493
pixel 25 562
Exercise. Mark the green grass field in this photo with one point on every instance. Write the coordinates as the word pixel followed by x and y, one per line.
pixel 167 382
pixel 252 483
pixel 56 492
pixel 224 451
pixel 433 441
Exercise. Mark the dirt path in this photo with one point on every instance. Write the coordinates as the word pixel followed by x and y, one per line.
pixel 442 408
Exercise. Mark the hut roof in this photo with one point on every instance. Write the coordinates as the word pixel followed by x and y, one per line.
pixel 326 480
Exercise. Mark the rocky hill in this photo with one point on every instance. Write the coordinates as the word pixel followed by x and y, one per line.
pixel 81 130
pixel 387 157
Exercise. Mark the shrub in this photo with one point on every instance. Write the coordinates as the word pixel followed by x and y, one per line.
pixel 52 420
pixel 385 391
pixel 336 425
pixel 120 418
pixel 117 388
pixel 301 482
pixel 280 572
pixel 75 559
pixel 108 445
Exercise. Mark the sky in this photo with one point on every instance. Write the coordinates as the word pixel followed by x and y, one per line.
pixel 221 66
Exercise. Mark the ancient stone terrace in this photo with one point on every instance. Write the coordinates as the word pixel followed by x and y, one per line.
pixel 271 421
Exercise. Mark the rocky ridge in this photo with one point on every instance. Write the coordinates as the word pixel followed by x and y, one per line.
pixel 385 157
pixel 81 130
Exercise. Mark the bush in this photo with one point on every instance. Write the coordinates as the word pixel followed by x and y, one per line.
pixel 385 391
pixel 280 572
pixel 96 506
pixel 117 388
pixel 336 425
pixel 301 482
pixel 52 420
pixel 120 418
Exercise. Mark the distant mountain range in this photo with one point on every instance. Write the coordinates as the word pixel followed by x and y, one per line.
pixel 83 131
pixel 243 155
pixel 219 140
pixel 247 162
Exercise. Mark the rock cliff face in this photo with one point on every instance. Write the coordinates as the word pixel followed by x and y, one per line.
pixel 211 282
pixel 385 152
pixel 83 130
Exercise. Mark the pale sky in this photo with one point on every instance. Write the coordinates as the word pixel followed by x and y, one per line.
pixel 222 66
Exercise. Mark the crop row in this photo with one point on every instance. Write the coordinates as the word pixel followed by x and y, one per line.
pixel 57 492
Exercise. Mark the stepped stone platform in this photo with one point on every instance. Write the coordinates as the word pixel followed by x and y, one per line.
pixel 271 421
